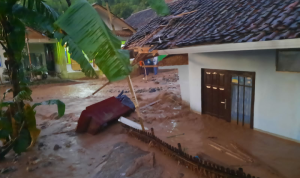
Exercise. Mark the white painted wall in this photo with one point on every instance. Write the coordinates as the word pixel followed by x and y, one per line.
pixel 184 83
pixel 277 94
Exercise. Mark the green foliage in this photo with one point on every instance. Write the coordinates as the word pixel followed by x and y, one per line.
pixel 23 95
pixel 121 8
pixel 5 127
pixel 38 70
pixel 77 55
pixel 16 38
pixel 86 29
pixel 18 124
pixel 22 142
pixel 60 6
pixel 60 106
pixel 160 7
pixel 34 20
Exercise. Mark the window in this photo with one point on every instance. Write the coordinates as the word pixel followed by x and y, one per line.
pixel 288 60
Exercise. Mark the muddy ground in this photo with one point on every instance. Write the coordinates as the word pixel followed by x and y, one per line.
pixel 60 152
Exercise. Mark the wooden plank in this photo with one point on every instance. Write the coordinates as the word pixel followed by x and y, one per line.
pixel 150 104
pixel 150 66
pixel 136 102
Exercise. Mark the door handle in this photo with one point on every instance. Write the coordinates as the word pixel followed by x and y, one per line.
pixel 224 102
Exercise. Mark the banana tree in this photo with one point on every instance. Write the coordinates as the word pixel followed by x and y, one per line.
pixel 84 31
pixel 17 122
pixel 81 29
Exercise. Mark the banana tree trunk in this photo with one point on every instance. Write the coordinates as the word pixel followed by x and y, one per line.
pixel 15 78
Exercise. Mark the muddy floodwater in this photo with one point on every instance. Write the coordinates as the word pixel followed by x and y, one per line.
pixel 60 152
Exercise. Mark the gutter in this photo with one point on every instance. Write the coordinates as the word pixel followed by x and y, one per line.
pixel 247 46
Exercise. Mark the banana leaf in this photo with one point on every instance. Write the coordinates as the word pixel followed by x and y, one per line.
pixel 61 107
pixel 85 28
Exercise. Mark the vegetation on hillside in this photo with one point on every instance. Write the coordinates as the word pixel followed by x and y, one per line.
pixel 121 8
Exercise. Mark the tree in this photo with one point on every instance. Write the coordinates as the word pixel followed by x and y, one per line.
pixel 123 10
pixel 81 28
pixel 17 123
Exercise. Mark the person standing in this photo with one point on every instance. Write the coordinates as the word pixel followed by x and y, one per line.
pixel 147 63
pixel 155 61
pixel 142 70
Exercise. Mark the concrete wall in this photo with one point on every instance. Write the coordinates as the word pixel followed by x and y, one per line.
pixel 183 73
pixel 277 94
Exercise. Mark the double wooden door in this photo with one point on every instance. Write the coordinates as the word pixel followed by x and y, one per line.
pixel 228 95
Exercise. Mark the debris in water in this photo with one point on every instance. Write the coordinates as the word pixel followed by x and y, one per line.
pixel 175 135
pixel 131 123
pixel 46 164
pixel 8 169
pixel 177 108
pixel 56 147
pixel 152 90
pixel 68 144
pixel 33 158
pixel 30 169
pixel 40 145
pixel 153 103
pixel 95 116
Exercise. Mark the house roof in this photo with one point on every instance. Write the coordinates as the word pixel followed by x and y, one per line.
pixel 95 5
pixel 205 22
pixel 141 18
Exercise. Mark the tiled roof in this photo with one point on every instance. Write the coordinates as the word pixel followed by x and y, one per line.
pixel 220 21
pixel 141 18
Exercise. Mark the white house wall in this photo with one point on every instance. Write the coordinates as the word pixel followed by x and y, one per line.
pixel 184 82
pixel 277 94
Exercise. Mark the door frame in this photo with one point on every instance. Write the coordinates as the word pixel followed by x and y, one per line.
pixel 230 74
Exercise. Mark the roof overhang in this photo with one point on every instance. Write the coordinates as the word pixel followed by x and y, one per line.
pixel 42 41
pixel 101 8
pixel 34 36
pixel 260 45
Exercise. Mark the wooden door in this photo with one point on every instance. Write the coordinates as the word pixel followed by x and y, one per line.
pixel 215 93
pixel 229 95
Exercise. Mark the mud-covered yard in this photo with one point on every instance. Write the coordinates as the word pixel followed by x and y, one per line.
pixel 60 152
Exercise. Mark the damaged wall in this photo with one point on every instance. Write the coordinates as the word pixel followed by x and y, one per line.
pixel 277 96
